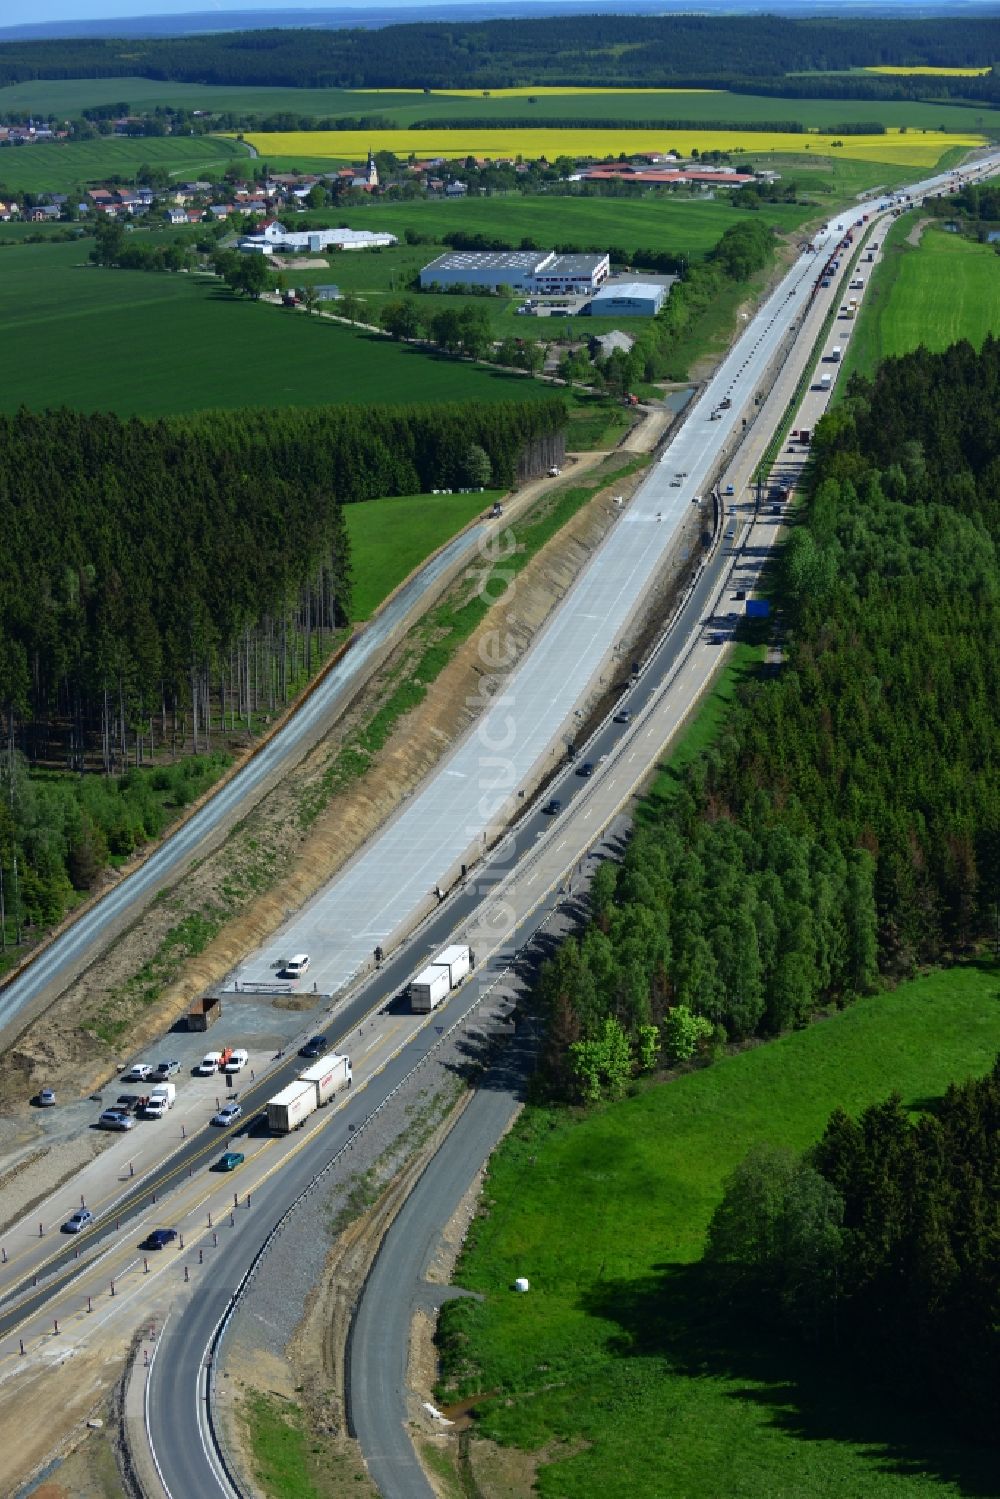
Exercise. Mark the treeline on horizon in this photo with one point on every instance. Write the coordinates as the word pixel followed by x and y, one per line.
pixel 880 1245
pixel 682 51
pixel 845 827
pixel 161 580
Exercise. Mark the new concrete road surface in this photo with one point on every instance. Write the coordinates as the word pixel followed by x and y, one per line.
pixel 56 965
pixel 467 800
pixel 177 1382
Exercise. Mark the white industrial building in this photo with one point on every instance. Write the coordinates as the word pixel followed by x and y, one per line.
pixel 630 299
pixel 537 272
pixel 273 238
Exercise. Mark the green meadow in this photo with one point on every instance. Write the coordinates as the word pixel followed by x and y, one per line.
pixel 144 344
pixel 618 1368
pixel 63 166
pixel 392 536
pixel 69 97
pixel 935 293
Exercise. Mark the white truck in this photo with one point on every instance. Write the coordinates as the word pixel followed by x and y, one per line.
pixel 825 381
pixel 436 981
pixel 328 1076
pixel 291 1107
pixel 431 985
pixel 458 961
pixel 159 1101
pixel 835 354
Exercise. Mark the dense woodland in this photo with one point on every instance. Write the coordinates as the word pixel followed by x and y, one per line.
pixel 642 50
pixel 164 581
pixel 845 827
pixel 881 1243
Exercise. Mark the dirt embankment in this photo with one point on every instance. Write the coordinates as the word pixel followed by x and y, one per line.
pixel 272 848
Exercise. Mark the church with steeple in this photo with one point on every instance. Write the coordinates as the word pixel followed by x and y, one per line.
pixel 368 180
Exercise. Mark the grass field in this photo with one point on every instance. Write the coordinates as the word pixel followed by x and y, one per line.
pixel 663 221
pixel 68 97
pixel 66 164
pixel 145 344
pixel 617 1363
pixel 933 294
pixel 390 537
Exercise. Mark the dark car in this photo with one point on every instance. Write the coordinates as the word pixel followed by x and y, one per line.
pixel 586 769
pixel 314 1047
pixel 159 1238
pixel 230 1160
pixel 128 1103
pixel 623 715
pixel 552 807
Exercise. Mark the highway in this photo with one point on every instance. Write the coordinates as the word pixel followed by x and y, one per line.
pixel 340 928
pixel 74 949
pixel 464 805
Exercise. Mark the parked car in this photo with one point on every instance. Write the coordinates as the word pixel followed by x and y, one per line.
pixel 315 1047
pixel 116 1119
pixel 127 1103
pixel 228 1114
pixel 138 1073
pixel 230 1161
pixel 78 1221
pixel 552 807
pixel 167 1069
pixel 46 1098
pixel 159 1238
pixel 296 967
pixel 209 1064
pixel 236 1061
pixel 155 1108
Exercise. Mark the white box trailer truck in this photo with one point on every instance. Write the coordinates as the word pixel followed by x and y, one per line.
pixel 458 961
pixel 167 1091
pixel 429 988
pixel 291 1107
pixel 328 1076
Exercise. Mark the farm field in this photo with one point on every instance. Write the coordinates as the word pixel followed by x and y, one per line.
pixel 662 221
pixel 933 294
pixel 67 97
pixel 148 345
pixel 913 149
pixel 618 1369
pixel 63 165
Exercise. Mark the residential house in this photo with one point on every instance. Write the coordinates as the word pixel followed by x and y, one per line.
pixel 175 216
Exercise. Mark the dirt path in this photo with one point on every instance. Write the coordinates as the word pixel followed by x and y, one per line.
pixel 916 234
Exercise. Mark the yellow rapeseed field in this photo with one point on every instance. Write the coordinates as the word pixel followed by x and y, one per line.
pixel 910 148
pixel 931 72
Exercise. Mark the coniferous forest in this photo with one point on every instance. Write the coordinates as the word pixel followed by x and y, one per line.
pixel 881 1244
pixel 158 576
pixel 682 50
pixel 845 827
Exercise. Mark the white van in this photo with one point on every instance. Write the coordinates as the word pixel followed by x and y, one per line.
pixel 296 967
pixel 237 1061
pixel 209 1064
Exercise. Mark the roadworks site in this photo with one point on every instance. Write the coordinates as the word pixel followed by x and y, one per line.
pixel 399 726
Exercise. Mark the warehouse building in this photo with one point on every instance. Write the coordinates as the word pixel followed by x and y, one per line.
pixel 274 238
pixel 537 272
pixel 630 298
